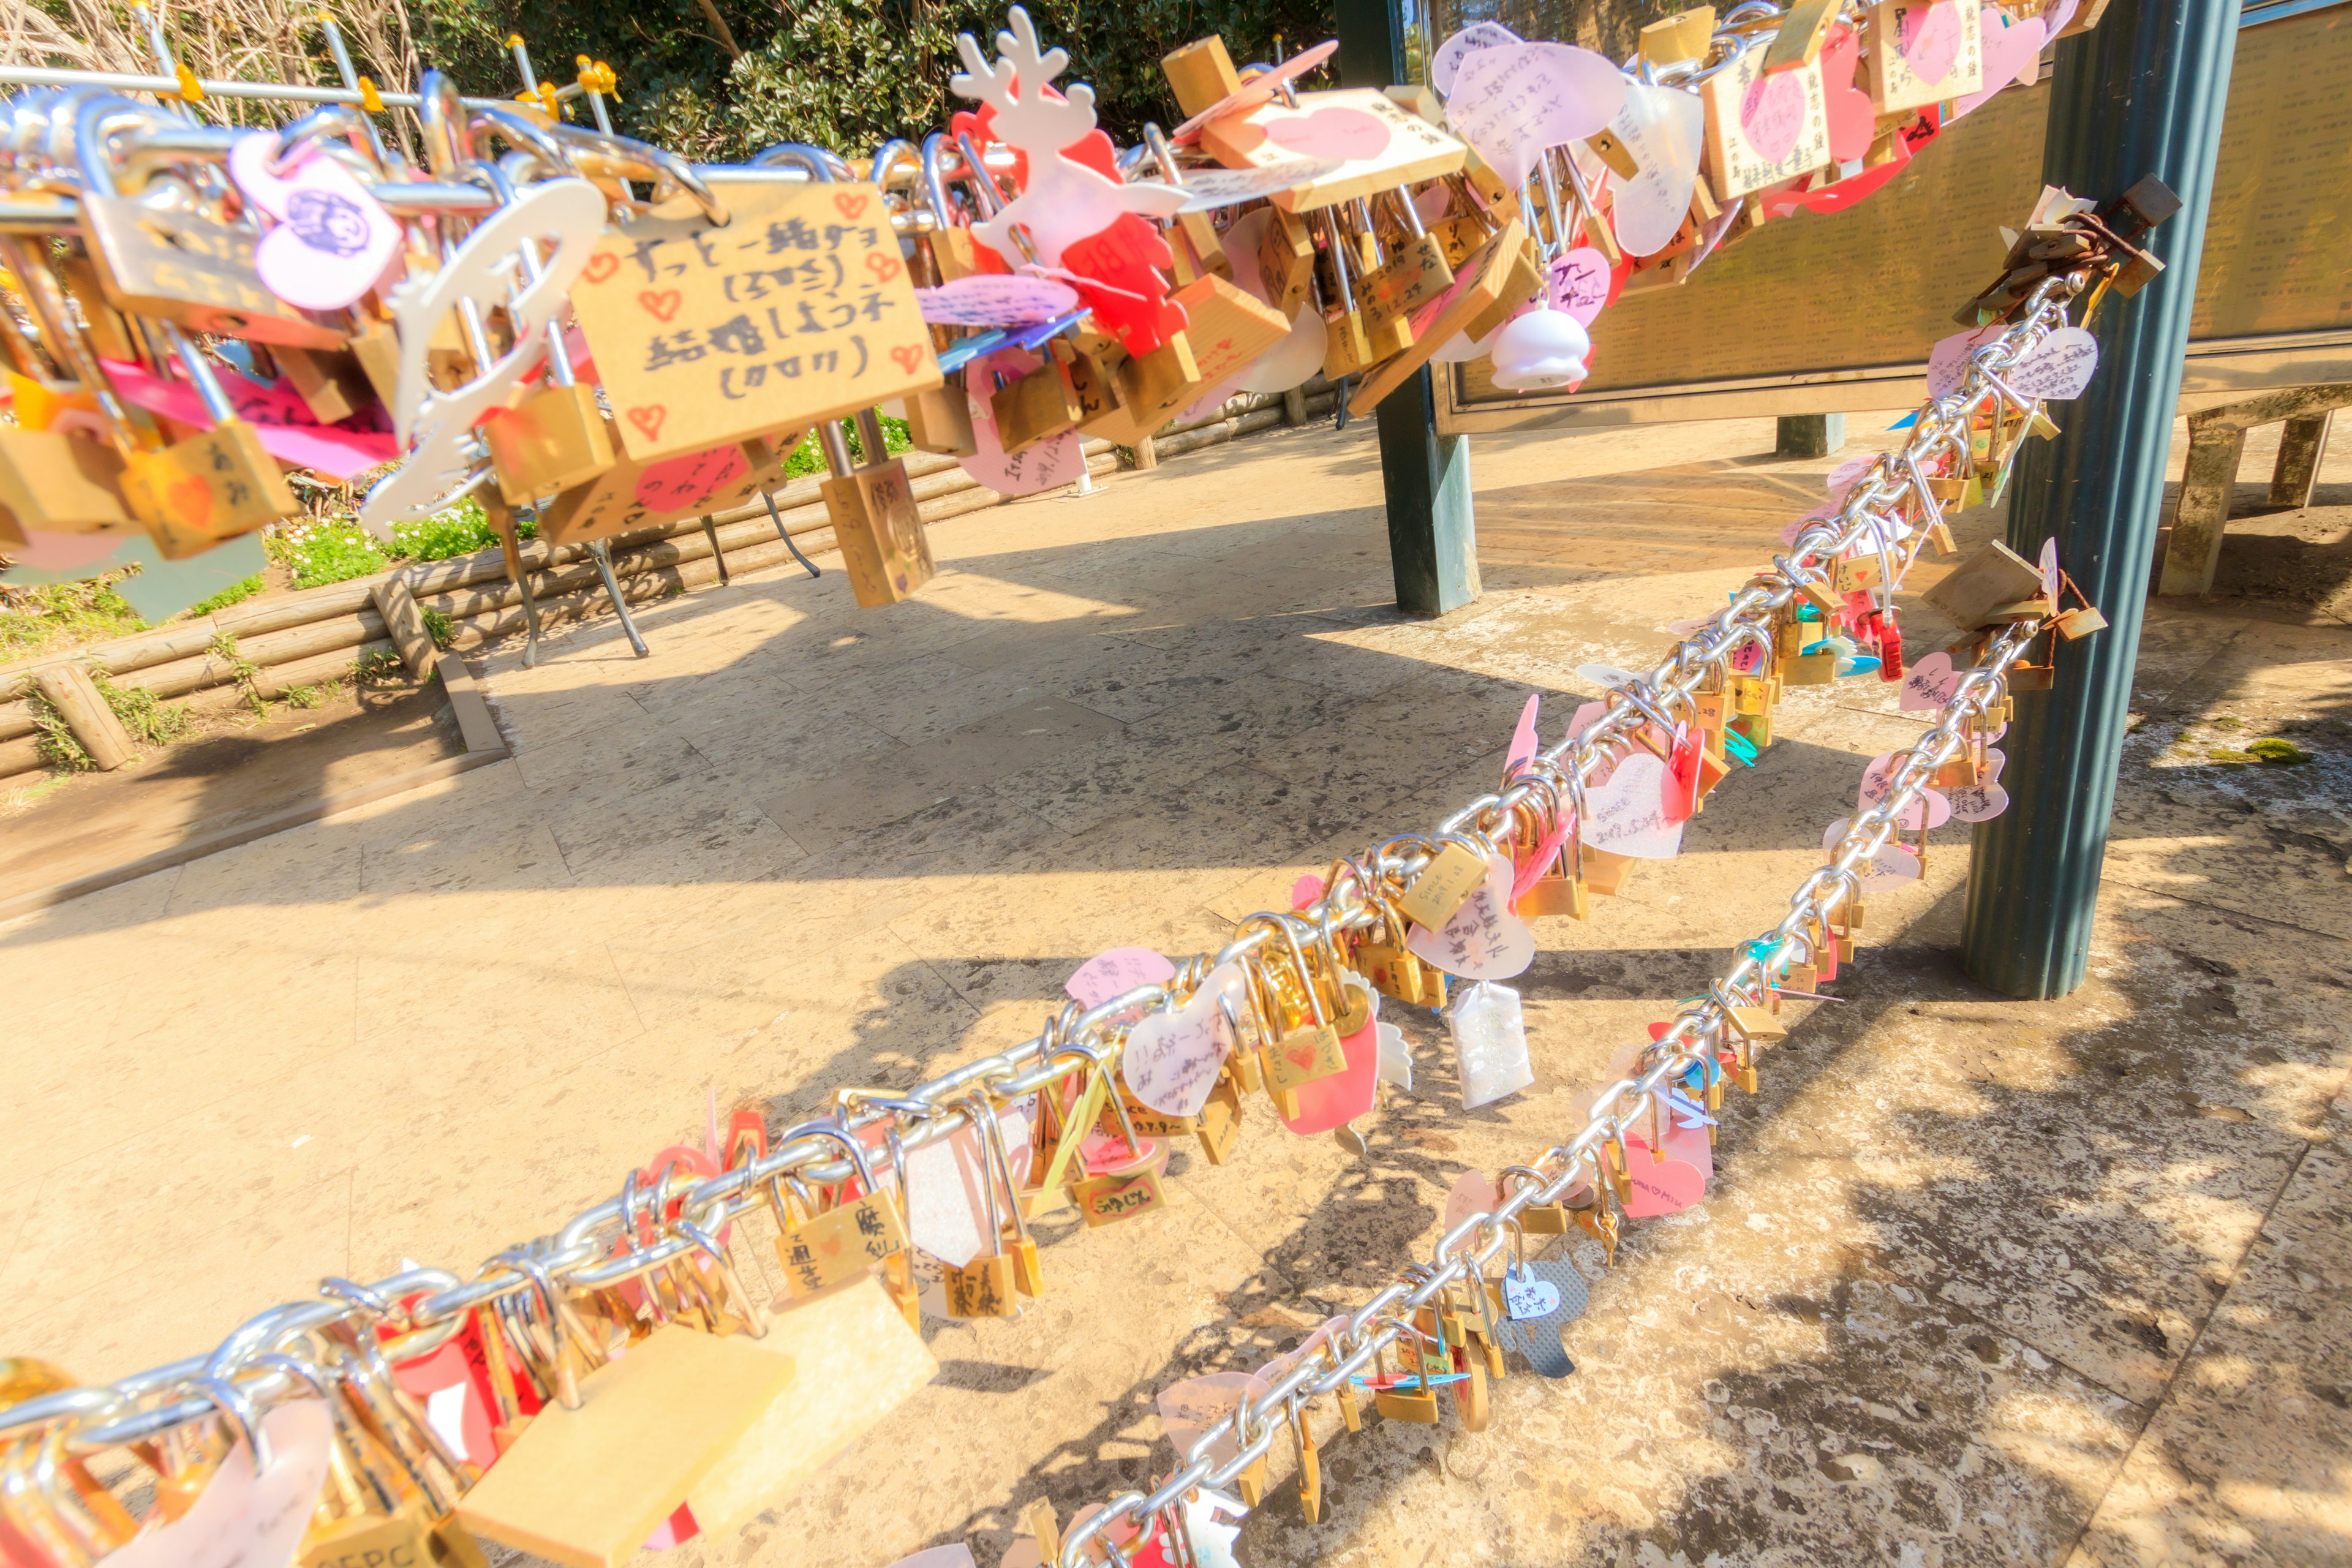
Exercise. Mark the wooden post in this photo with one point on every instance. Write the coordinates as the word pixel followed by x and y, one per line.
pixel 1145 456
pixel 405 623
pixel 1294 407
pixel 74 695
pixel 2302 445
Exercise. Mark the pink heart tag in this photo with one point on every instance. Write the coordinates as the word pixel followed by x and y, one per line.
pixel 1580 282
pixel 1772 114
pixel 1879 777
pixel 1929 39
pixel 1483 940
pixel 1349 1093
pixel 1474 1192
pixel 1106 975
pixel 1512 103
pixel 1523 736
pixel 1661 1188
pixel 1334 132
pixel 1985 799
pixel 332 240
pixel 2010 52
pixel 1890 867
pixel 1171 1057
pixel 1929 683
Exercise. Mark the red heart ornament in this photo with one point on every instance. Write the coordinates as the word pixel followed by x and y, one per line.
pixel 1302 1057
pixel 649 420
pixel 1853 120
pixel 1660 1187
pixel 661 304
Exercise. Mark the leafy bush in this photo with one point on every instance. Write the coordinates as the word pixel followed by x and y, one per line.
pixel 461 530
pixel 808 458
pixel 34 616
pixel 149 719
pixel 331 550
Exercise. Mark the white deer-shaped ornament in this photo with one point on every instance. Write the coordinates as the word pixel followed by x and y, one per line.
pixel 1063 201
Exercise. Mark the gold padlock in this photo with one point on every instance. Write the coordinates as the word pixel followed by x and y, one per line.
pixel 875 519
pixel 555 440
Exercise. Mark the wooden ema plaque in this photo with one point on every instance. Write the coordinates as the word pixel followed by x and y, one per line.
pixel 799 310
pixel 1377 143
pixel 585 1487
pixel 632 495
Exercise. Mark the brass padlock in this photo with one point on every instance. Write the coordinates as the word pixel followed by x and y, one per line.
pixel 1036 407
pixel 1286 261
pixel 556 438
pixel 938 419
pixel 875 519
pixel 213 485
pixel 60 482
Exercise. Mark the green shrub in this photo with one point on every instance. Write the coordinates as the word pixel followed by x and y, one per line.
pixel 461 530
pixel 149 719
pixel 331 550
pixel 808 458
pixel 36 616
pixel 438 625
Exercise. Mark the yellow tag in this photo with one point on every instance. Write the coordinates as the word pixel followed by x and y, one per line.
pixel 1853 573
pixel 799 310
pixel 1106 1200
pixel 1442 885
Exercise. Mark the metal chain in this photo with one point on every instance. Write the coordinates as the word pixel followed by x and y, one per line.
pixel 606 1243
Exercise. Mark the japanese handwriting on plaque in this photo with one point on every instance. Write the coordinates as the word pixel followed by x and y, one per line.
pixel 1376 143
pixel 1763 128
pixel 799 310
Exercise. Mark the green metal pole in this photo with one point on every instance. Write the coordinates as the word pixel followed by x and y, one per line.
pixel 2142 93
pixel 1432 539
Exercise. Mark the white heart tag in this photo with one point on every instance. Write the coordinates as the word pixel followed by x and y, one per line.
pixel 1628 815
pixel 1511 102
pixel 1525 1297
pixel 1879 777
pixel 2060 367
pixel 1171 1057
pixel 244 1519
pixel 1947 361
pixel 1985 799
pixel 1106 975
pixel 1483 940
pixel 1892 865
pixel 1929 683
pixel 2050 579
pixel 1660 129
pixel 1462 45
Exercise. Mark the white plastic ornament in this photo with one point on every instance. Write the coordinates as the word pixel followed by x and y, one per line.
pixel 1544 348
pixel 1490 1042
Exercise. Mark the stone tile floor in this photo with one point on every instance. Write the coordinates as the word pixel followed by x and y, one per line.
pixel 1980 1281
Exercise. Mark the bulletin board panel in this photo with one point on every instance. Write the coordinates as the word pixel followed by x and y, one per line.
pixel 1817 313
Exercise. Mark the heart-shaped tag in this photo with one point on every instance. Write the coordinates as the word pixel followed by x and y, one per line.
pixel 2013 52
pixel 1333 133
pixel 675 484
pixel 1929 683
pixel 1662 128
pixel 1447 60
pixel 1537 1338
pixel 1928 37
pixel 1483 940
pixel 1772 114
pixel 1340 1098
pixel 1985 799
pixel 1627 813
pixel 2058 367
pixel 1947 361
pixel 1525 1297
pixel 1523 735
pixel 332 239
pixel 1513 101
pixel 2051 580
pixel 1879 777
pixel 1172 1059
pixel 1661 1187
pixel 1891 866
pixel 995 299
pixel 1041 466
pixel 1474 1192
pixel 1106 975
pixel 1853 118
pixel 1490 1043
pixel 1190 1408
pixel 244 1518
pixel 1581 282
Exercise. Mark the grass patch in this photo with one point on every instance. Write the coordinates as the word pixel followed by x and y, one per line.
pixel 235 594
pixel 337 549
pixel 35 617
pixel 248 674
pixel 438 625
pixel 307 696
pixel 2285 753
pixel 149 719
pixel 378 666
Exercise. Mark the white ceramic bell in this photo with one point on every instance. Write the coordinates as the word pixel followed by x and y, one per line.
pixel 1541 349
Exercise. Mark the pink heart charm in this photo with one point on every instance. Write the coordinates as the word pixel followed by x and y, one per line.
pixel 331 241
pixel 1331 133
pixel 1661 1187
pixel 1772 114
pixel 1930 40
